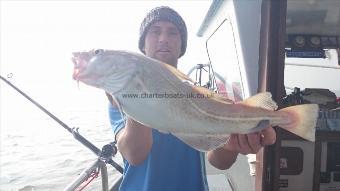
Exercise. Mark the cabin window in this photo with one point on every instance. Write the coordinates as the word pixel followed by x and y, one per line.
pixel 224 60
pixel 317 72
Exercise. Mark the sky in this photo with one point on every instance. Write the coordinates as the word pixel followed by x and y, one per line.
pixel 38 37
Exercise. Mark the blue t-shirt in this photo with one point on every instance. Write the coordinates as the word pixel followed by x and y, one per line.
pixel 170 165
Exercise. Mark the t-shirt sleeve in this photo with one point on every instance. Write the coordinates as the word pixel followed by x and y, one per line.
pixel 117 119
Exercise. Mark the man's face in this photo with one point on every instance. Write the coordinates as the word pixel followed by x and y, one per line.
pixel 163 42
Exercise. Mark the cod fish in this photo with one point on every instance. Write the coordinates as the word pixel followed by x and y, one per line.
pixel 161 97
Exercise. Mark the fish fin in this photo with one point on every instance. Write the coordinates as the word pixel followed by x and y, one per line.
pixel 143 88
pixel 260 126
pixel 263 100
pixel 197 89
pixel 178 73
pixel 302 120
pixel 164 132
pixel 120 109
pixel 212 95
pixel 203 143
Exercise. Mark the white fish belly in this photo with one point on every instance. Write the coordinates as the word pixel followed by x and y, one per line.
pixel 175 116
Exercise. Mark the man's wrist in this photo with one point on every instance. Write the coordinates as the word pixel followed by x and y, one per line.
pixel 222 158
pixel 230 151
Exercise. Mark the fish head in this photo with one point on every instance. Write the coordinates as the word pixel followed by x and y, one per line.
pixel 105 69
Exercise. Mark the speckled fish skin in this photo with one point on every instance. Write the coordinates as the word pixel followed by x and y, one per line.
pixel 161 97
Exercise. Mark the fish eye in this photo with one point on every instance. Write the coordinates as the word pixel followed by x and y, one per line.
pixel 98 51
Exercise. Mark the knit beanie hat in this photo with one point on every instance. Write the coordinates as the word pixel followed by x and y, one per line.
pixel 163 13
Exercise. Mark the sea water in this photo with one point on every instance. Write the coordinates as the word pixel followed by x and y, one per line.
pixel 36 153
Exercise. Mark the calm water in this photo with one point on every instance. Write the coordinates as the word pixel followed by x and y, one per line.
pixel 36 152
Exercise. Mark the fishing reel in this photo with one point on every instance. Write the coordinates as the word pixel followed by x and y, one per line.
pixel 108 151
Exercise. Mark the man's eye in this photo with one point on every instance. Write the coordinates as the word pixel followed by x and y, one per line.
pixel 155 32
pixel 98 51
pixel 173 33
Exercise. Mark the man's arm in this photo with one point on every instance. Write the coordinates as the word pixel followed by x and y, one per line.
pixel 224 157
pixel 134 141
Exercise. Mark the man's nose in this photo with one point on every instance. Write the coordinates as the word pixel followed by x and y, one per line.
pixel 163 37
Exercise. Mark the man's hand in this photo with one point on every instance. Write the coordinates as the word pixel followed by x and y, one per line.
pixel 224 157
pixel 250 143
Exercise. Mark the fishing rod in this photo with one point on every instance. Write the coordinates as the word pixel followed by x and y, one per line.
pixel 105 154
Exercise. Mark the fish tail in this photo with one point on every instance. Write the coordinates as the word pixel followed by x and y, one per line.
pixel 301 120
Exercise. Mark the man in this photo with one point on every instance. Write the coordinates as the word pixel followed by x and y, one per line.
pixel 158 161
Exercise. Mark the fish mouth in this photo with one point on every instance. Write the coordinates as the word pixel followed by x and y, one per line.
pixel 76 70
pixel 80 61
pixel 81 72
